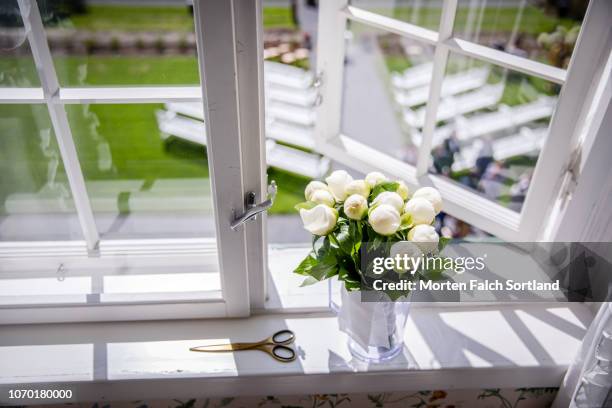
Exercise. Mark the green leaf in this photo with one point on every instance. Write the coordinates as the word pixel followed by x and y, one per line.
pixel 406 222
pixel 385 186
pixel 345 239
pixel 306 205
pixel 349 282
pixel 308 281
pixel 306 265
pixel 443 242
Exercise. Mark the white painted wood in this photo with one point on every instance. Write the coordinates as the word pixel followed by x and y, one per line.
pixel 458 200
pixel 447 21
pixel 523 346
pixel 250 69
pixel 21 95
pixel 130 94
pixel 584 215
pixel 48 78
pixel 331 46
pixel 220 76
pixel 504 59
pixel 390 24
pixel 588 60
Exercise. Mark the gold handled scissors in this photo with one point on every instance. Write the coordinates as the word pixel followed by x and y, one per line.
pixel 275 345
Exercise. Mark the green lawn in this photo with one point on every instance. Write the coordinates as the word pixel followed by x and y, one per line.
pixel 130 131
pixel 533 20
pixel 158 18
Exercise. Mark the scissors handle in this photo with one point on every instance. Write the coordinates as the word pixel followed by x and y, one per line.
pixel 283 337
pixel 279 352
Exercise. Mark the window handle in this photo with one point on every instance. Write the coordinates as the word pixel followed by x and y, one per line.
pixel 252 209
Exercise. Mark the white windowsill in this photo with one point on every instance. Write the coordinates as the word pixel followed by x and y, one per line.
pixel 446 347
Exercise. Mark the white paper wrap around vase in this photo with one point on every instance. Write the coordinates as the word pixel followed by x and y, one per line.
pixel 371 324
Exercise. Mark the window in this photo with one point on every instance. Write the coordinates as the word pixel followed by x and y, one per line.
pixel 456 77
pixel 102 219
pixel 132 137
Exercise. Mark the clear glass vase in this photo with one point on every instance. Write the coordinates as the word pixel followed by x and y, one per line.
pixel 375 328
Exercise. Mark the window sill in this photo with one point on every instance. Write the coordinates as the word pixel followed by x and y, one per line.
pixel 446 347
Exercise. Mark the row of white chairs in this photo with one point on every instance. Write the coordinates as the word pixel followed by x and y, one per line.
pixel 453 84
pixel 526 141
pixel 452 106
pixel 504 118
pixel 171 123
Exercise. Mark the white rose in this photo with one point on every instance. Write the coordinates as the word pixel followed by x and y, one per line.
pixel 432 195
pixel 312 187
pixel 421 210
pixel 319 220
pixel 403 190
pixel 405 250
pixel 375 178
pixel 355 207
pixel 358 187
pixel 323 197
pixel 425 236
pixel 385 219
pixel 390 198
pixel 337 182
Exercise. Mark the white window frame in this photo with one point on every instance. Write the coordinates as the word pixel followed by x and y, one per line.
pixel 553 161
pixel 229 43
pixel 236 127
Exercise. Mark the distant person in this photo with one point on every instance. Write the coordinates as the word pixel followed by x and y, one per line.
pixel 485 157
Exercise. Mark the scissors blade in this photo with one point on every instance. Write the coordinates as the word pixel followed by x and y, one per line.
pixel 216 348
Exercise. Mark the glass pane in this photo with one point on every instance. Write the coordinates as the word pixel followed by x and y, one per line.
pixel 145 169
pixel 17 67
pixel 492 123
pixel 139 279
pixel 423 13
pixel 541 31
pixel 385 75
pixel 110 43
pixel 290 120
pixel 35 199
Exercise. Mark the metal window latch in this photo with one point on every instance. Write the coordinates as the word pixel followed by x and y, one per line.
pixel 252 209
pixel 572 172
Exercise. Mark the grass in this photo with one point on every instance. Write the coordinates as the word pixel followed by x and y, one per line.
pixel 130 131
pixel 533 21
pixel 158 18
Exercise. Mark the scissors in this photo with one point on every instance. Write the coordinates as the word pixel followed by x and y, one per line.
pixel 275 345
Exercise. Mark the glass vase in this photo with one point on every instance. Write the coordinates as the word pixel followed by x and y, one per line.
pixel 375 328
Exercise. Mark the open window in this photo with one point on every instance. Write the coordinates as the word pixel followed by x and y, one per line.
pixel 102 220
pixel 475 99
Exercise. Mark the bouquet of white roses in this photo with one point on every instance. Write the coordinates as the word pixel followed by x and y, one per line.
pixel 344 214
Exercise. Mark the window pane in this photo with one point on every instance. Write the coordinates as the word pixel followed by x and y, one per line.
pixel 385 74
pixel 110 43
pixel 145 168
pixel 423 13
pixel 541 31
pixel 17 67
pixel 489 134
pixel 94 282
pixel 35 199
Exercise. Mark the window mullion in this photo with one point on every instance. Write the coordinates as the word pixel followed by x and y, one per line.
pixel 585 69
pixel 331 44
pixel 248 15
pixel 59 119
pixel 447 21
pixel 219 76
